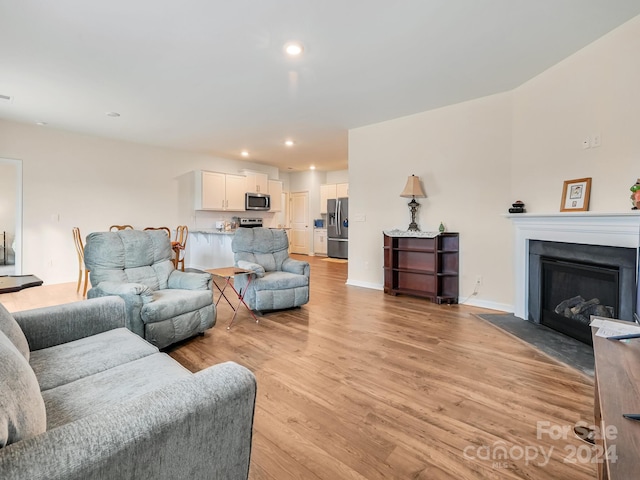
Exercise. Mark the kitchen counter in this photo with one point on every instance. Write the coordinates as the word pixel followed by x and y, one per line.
pixel 213 231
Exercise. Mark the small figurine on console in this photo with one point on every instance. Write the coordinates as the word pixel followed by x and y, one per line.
pixel 635 195
pixel 517 207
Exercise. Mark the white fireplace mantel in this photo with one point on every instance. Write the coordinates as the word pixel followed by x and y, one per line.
pixel 609 229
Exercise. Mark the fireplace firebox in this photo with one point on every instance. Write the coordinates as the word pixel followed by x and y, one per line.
pixel 573 291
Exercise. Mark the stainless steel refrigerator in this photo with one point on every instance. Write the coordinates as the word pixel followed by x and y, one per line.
pixel 338 228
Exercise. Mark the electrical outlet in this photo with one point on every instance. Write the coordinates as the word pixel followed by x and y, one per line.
pixel 478 279
pixel 596 141
pixel 586 143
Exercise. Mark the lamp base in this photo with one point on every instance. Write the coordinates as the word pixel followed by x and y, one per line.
pixel 413 207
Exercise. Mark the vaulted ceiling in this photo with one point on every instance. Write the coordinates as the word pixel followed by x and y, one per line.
pixel 211 76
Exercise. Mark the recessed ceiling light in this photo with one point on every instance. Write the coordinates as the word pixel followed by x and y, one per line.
pixel 41 124
pixel 244 153
pixel 312 167
pixel 112 114
pixel 289 143
pixel 293 49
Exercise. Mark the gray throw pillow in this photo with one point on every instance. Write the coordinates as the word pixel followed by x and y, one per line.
pixel 22 411
pixel 12 330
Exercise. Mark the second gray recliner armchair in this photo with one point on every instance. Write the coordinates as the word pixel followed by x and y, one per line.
pixel 164 305
pixel 279 281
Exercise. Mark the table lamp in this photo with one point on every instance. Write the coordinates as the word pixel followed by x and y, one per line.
pixel 412 190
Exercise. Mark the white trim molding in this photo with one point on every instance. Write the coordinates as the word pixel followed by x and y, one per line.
pixel 608 229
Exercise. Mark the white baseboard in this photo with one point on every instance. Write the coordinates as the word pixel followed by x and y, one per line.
pixel 474 302
pixel 503 307
pixel 373 286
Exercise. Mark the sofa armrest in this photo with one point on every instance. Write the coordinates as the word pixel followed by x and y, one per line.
pixel 254 267
pixel 132 305
pixel 49 326
pixel 296 266
pixel 190 280
pixel 201 425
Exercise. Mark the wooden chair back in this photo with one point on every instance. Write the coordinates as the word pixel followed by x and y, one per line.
pixel 83 273
pixel 166 230
pixel 180 245
pixel 114 228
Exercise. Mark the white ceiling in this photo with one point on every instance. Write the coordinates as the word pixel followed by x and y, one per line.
pixel 210 75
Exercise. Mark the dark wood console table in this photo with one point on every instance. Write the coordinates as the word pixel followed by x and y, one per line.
pixel 13 283
pixel 617 391
pixel 422 266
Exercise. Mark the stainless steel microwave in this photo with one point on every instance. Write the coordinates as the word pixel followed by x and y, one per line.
pixel 257 201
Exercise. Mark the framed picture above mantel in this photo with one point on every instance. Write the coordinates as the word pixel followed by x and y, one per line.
pixel 575 195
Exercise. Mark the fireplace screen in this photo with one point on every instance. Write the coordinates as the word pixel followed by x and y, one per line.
pixel 573 291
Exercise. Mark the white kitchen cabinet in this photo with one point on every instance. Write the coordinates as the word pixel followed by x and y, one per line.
pixel 219 191
pixel 275 191
pixel 211 195
pixel 330 191
pixel 342 190
pixel 256 182
pixel 235 193
pixel 327 192
pixel 320 241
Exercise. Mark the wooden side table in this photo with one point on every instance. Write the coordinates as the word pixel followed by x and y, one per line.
pixel 617 391
pixel 228 273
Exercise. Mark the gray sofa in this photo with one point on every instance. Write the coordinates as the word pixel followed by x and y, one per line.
pixel 82 398
pixel 164 305
pixel 279 281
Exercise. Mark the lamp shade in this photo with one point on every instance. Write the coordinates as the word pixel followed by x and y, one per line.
pixel 413 188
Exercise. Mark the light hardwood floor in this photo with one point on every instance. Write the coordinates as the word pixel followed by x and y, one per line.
pixel 362 385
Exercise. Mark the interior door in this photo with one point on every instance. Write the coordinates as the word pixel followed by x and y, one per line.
pixel 299 233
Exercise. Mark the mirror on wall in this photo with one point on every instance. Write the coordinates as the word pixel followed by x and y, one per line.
pixel 10 217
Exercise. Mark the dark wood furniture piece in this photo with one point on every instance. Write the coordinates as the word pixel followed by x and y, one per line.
pixel 14 283
pixel 617 391
pixel 423 267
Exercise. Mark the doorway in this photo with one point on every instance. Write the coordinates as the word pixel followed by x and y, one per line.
pixel 10 217
pixel 299 211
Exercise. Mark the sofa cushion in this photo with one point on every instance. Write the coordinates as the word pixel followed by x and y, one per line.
pixel 22 410
pixel 12 330
pixel 71 361
pixel 116 386
pixel 170 303
pixel 280 281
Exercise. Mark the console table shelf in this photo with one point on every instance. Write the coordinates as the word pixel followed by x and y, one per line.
pixel 422 266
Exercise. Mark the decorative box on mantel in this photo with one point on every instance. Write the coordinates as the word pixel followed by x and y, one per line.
pixel 587 228
pixel 421 264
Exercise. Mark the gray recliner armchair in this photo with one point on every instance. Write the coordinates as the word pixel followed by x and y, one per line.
pixel 279 281
pixel 164 305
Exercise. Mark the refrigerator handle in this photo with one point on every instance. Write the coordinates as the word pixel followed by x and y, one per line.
pixel 337 217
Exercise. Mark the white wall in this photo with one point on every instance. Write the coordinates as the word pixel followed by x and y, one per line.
pixel 595 91
pixel 462 155
pixel 476 158
pixel 76 180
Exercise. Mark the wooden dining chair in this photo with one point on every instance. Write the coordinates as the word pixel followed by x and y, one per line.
pixel 166 230
pixel 179 246
pixel 114 228
pixel 83 273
